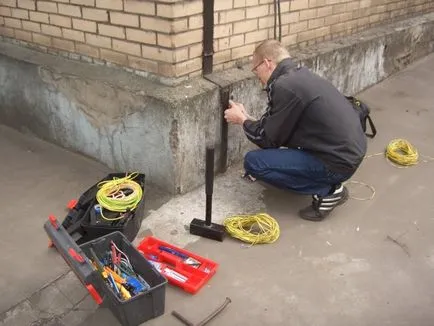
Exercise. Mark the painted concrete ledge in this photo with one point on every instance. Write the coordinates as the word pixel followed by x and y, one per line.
pixel 130 123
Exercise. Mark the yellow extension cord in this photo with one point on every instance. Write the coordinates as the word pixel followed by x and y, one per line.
pixel 262 228
pixel 111 197
pixel 401 152
pixel 253 229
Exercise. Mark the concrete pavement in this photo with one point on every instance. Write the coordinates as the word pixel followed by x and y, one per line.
pixel 370 263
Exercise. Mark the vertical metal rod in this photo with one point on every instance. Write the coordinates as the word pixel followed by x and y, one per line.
pixel 209 183
pixel 208 36
pixel 224 103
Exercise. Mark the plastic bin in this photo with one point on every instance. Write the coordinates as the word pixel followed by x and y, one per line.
pixel 141 307
pixel 82 228
pixel 132 312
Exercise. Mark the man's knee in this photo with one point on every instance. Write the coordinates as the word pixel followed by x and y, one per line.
pixel 251 160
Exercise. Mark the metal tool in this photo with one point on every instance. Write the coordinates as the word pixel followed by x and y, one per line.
pixel 207 319
pixel 206 228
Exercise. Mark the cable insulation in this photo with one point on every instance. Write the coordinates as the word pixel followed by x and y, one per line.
pixel 254 229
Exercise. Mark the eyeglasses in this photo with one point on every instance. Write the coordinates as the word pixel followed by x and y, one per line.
pixel 257 66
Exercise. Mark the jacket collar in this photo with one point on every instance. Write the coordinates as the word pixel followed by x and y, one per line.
pixel 284 66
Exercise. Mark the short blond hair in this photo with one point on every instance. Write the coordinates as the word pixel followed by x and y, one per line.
pixel 272 50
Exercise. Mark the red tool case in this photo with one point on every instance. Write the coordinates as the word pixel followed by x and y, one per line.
pixel 193 277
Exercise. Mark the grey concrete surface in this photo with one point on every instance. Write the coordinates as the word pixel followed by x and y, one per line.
pixel 370 263
pixel 129 123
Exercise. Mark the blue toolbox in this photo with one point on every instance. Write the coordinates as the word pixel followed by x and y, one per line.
pixel 115 273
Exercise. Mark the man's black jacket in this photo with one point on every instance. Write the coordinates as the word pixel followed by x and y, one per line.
pixel 307 112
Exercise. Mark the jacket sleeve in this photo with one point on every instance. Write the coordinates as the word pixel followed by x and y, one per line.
pixel 276 126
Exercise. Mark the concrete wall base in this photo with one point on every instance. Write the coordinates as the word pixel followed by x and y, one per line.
pixel 130 123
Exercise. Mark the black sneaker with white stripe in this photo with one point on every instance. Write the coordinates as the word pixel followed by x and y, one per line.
pixel 323 206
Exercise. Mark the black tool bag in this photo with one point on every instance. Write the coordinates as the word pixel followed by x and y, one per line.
pixel 363 111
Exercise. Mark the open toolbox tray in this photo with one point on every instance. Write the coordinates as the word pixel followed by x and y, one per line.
pixel 129 312
pixel 78 219
pixel 179 266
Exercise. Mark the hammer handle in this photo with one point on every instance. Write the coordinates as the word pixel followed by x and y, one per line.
pixel 209 183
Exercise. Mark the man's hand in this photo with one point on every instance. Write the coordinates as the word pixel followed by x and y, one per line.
pixel 236 113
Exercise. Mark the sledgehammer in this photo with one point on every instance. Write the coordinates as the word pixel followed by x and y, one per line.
pixel 206 228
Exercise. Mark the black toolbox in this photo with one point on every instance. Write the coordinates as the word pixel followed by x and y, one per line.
pixel 141 307
pixel 80 224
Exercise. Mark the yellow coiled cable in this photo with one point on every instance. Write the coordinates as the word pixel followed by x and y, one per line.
pixel 111 196
pixel 402 152
pixel 253 229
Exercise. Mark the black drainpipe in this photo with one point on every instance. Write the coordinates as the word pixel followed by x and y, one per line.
pixel 208 36
pixel 207 68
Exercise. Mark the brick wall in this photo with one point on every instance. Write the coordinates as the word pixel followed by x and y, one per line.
pixel 164 37
pixel 241 24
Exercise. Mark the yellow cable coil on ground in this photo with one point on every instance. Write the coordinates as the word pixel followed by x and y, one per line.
pixel 402 152
pixel 254 229
pixel 112 197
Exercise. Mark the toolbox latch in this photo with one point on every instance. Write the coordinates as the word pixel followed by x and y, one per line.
pixel 76 256
pixel 54 222
pixel 94 293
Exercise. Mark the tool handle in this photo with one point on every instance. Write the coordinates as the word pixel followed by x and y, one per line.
pixel 173 252
pixel 215 312
pixel 209 183
pixel 209 171
pixel 182 319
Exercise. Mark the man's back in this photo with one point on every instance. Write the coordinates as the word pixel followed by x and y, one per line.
pixel 327 125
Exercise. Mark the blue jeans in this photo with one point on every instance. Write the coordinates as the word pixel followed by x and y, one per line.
pixel 292 169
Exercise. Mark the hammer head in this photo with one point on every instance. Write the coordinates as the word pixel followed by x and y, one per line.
pixel 213 231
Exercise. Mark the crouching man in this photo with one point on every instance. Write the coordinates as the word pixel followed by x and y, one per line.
pixel 310 138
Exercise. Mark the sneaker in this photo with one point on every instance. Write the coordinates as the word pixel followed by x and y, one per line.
pixel 322 206
pixel 248 177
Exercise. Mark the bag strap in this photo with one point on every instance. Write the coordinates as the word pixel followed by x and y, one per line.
pixel 373 129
